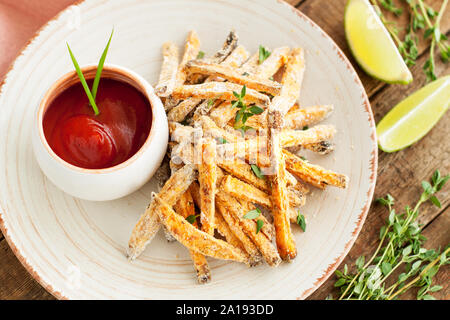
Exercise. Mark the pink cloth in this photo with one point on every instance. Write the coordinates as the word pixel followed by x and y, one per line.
pixel 19 20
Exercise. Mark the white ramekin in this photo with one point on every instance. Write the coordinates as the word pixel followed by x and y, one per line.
pixel 114 182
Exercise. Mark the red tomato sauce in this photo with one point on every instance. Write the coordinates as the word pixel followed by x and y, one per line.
pixel 85 140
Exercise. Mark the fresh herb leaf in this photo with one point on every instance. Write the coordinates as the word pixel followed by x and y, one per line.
pixel 340 282
pixel 360 262
pixel 301 221
pixel 257 171
pixel 390 6
pixel 244 112
pixel 256 110
pixel 200 55
pixel 389 201
pixel 192 218
pixel 259 225
pixel 305 128
pixel 83 82
pixel 100 67
pixel 222 140
pixel 243 91
pixel 422 17
pixel 263 54
pixel 435 201
pixel 253 214
pixel 211 102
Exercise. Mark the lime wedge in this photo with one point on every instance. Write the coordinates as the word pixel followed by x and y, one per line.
pixel 412 118
pixel 371 44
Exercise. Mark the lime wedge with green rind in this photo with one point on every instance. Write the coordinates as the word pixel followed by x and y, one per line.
pixel 414 117
pixel 372 45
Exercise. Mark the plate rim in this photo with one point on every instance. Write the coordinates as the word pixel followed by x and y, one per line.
pixel 373 166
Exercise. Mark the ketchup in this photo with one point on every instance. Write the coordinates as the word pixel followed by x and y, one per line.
pixel 85 140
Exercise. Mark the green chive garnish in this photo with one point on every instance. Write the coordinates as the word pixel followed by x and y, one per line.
pixel 83 82
pixel 91 94
pixel 100 67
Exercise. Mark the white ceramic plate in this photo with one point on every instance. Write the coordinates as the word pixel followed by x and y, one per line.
pixel 75 248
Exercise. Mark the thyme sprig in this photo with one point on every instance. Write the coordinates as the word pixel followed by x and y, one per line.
pixel 244 112
pixel 421 17
pixel 400 247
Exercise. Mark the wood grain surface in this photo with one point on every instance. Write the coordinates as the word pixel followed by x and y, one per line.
pixel 399 174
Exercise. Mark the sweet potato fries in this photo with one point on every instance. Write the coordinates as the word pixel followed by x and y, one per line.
pixel 237 179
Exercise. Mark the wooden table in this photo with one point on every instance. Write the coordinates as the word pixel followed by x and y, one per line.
pixel 399 173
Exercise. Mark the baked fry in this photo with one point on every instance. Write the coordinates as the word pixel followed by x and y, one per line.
pixel 230 74
pixel 184 134
pixel 148 224
pixel 292 82
pixel 233 207
pixel 181 111
pixel 228 47
pixel 234 60
pixel 275 61
pixel 296 118
pixel 250 65
pixel 254 150
pixel 194 239
pixel 279 197
pixel 288 138
pixel 322 147
pixel 224 112
pixel 241 170
pixel 191 50
pixel 201 267
pixel 233 224
pixel 316 134
pixel 244 191
pixel 249 193
pixel 185 208
pixel 212 90
pixel 258 121
pixel 267 229
pixel 207 177
pixel 224 230
pixel 210 129
pixel 314 174
pixel 299 118
pixel 168 75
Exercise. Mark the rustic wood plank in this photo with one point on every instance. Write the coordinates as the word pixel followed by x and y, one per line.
pixel 16 282
pixel 329 15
